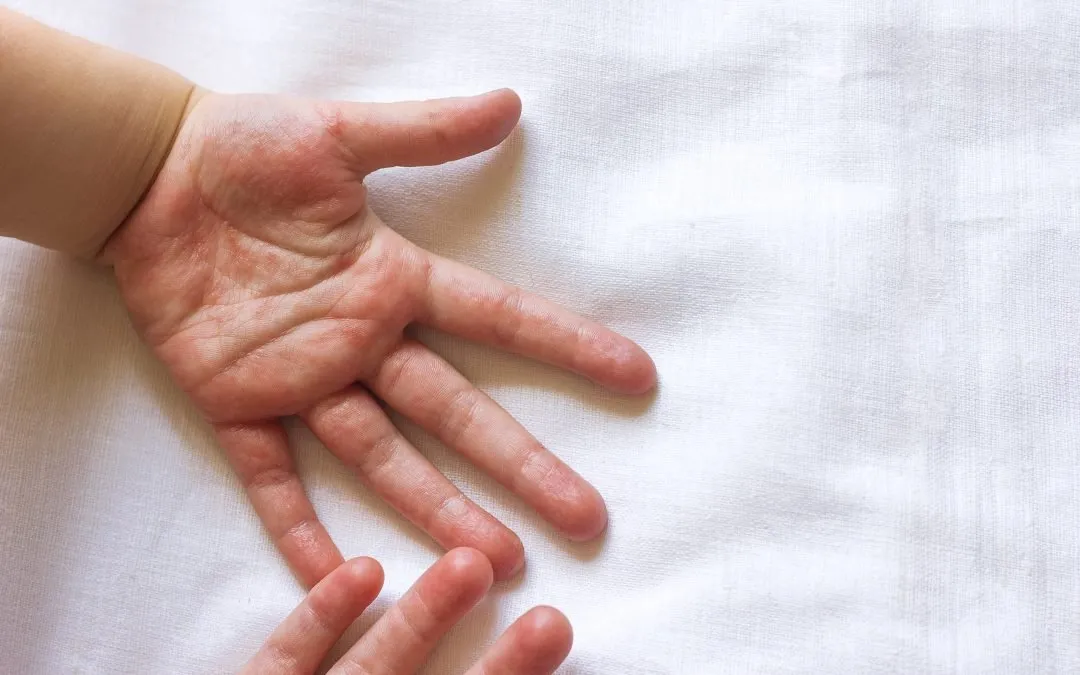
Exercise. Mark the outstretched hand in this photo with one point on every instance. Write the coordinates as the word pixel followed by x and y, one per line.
pixel 257 274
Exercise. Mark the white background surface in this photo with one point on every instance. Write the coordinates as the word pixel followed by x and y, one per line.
pixel 846 231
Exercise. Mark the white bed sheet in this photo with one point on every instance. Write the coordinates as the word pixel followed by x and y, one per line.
pixel 847 232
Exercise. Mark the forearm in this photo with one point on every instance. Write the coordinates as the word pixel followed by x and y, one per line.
pixel 83 131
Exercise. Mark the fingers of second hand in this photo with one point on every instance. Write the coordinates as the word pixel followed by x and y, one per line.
pixel 353 426
pixel 536 644
pixel 302 641
pixel 479 307
pixel 428 390
pixel 401 639
pixel 259 454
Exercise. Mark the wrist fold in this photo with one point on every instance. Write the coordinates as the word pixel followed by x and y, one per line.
pixel 83 132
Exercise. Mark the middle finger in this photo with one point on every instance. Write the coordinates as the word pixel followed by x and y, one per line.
pixel 353 426
pixel 422 386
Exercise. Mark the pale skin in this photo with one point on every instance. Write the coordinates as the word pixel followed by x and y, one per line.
pixel 255 271
pixel 402 639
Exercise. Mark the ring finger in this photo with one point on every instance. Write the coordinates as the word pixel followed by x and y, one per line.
pixel 353 426
pixel 422 386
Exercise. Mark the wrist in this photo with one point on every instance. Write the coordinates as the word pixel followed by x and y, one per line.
pixel 83 132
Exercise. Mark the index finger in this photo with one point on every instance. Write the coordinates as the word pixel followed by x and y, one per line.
pixel 477 306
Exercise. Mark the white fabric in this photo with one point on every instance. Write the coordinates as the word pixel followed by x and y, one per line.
pixel 848 233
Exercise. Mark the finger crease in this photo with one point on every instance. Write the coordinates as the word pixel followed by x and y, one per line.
pixel 428 281
pixel 321 621
pixel 410 622
pixel 269 477
pixel 378 455
pixel 460 415
pixel 393 368
pixel 282 657
pixel 445 506
pixel 535 468
pixel 509 308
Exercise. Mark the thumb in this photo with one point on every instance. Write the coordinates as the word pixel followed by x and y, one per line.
pixel 424 133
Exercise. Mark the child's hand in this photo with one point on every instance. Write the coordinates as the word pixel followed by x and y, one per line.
pixel 401 640
pixel 257 274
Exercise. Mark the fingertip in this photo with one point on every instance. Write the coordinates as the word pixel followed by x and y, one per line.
pixel 507 97
pixel 585 517
pixel 572 505
pixel 633 370
pixel 546 635
pixel 506 556
pixel 509 103
pixel 508 93
pixel 468 569
pixel 363 577
pixel 345 592
pixel 544 620
pixel 614 362
pixel 502 110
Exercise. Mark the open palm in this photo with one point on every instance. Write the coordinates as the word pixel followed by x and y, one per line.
pixel 255 271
